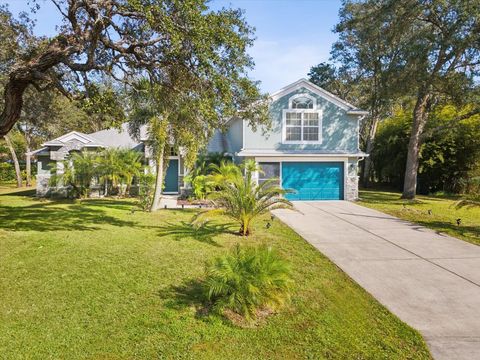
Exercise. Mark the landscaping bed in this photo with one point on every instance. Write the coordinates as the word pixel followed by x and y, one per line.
pixel 92 279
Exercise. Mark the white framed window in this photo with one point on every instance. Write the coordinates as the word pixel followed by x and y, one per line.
pixel 269 170
pixel 302 122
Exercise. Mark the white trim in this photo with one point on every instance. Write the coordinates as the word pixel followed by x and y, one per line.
pixel 302 111
pixel 358 112
pixel 80 136
pixel 274 154
pixel 317 158
pixel 243 132
pixel 315 89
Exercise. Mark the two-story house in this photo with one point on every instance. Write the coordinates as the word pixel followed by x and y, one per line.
pixel 312 146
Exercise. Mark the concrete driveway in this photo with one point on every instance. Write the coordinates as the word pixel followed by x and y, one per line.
pixel 431 281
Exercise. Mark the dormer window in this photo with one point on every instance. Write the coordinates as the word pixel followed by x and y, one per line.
pixel 302 121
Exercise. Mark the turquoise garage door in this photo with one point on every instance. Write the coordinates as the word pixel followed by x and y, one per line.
pixel 313 180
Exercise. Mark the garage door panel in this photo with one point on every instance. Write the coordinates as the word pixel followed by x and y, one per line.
pixel 313 180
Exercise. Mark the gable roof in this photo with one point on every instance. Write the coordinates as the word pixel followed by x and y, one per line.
pixel 71 136
pixel 345 105
pixel 118 137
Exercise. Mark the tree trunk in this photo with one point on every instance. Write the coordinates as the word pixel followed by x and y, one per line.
pixel 28 158
pixel 28 167
pixel 370 143
pixel 158 183
pixel 18 173
pixel 420 113
pixel 26 73
pixel 13 97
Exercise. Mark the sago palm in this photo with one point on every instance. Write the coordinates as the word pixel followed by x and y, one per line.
pixel 242 200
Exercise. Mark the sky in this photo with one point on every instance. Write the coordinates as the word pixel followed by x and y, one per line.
pixel 291 35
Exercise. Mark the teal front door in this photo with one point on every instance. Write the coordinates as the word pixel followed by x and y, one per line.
pixel 313 180
pixel 171 177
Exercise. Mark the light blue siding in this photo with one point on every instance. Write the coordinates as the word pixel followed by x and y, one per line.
pixel 313 180
pixel 339 130
pixel 234 136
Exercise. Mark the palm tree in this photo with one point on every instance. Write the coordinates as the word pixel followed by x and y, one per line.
pixel 243 200
pixel 110 168
pixel 131 166
pixel 77 171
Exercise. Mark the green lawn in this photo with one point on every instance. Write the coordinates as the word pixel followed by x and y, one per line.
pixel 443 216
pixel 92 280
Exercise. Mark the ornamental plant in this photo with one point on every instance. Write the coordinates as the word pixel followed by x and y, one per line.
pixel 248 279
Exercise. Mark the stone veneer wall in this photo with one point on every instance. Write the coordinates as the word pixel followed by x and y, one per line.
pixel 352 188
pixel 42 184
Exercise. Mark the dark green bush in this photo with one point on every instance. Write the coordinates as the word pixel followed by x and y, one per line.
pixel 7 172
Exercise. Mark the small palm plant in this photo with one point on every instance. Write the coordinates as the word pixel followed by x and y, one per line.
pixel 223 174
pixel 111 168
pixel 248 279
pixel 77 171
pixel 242 199
pixel 131 166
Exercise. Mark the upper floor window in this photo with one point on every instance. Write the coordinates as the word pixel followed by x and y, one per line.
pixel 302 120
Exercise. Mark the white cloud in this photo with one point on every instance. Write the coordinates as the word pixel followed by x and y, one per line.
pixel 277 64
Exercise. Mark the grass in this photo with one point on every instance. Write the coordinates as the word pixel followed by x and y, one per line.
pixel 442 217
pixel 92 280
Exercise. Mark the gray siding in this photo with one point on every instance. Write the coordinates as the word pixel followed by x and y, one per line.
pixel 339 130
pixel 44 164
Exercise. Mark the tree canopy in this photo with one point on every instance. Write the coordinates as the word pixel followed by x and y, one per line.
pixel 168 41
pixel 428 50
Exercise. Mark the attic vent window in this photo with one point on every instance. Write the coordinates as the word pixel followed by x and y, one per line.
pixel 302 103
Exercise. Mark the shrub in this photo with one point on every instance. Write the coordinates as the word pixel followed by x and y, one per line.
pixel 247 280
pixel 7 172
pixel 200 187
pixel 199 176
pixel 146 188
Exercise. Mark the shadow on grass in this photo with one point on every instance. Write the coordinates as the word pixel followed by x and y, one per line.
pixel 204 233
pixel 20 192
pixel 450 228
pixel 374 197
pixel 118 204
pixel 190 294
pixel 50 216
